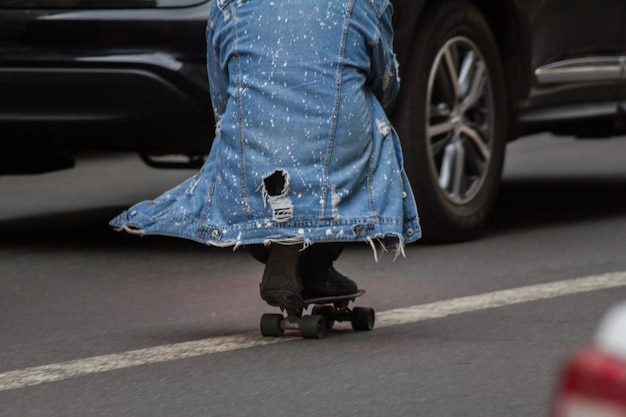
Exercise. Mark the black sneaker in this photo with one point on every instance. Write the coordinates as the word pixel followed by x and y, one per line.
pixel 281 284
pixel 327 283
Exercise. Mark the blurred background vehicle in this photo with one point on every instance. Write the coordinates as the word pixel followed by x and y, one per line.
pixel 593 380
pixel 130 75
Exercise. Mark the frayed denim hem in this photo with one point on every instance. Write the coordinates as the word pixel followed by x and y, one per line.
pixel 382 235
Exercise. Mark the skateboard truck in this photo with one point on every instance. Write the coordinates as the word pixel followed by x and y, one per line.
pixel 325 312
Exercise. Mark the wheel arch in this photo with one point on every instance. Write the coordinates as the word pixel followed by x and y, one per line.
pixel 511 31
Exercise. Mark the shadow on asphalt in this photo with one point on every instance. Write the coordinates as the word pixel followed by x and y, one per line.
pixel 79 229
pixel 522 204
pixel 529 203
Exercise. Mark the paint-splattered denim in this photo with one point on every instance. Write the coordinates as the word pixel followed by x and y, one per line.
pixel 303 150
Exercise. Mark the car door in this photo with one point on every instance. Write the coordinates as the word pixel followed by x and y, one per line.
pixel 577 57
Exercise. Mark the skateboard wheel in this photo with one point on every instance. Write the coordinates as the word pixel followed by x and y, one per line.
pixel 271 325
pixel 312 327
pixel 326 312
pixel 363 318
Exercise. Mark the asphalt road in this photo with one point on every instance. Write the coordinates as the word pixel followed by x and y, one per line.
pixel 98 323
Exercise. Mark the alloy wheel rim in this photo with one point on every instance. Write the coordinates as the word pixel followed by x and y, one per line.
pixel 459 115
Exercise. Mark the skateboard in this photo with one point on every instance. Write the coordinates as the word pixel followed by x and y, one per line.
pixel 325 312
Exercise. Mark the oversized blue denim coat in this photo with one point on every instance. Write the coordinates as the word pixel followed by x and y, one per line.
pixel 298 88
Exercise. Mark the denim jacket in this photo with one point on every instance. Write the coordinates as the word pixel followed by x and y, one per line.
pixel 303 149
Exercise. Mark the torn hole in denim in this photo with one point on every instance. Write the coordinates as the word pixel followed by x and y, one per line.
pixel 274 189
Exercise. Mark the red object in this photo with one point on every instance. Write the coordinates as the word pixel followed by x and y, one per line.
pixel 593 384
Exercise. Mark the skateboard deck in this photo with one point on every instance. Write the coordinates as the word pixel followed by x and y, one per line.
pixel 331 299
pixel 326 311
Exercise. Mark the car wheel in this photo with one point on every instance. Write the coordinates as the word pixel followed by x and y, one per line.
pixel 451 118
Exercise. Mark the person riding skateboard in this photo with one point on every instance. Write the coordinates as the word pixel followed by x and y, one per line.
pixel 304 157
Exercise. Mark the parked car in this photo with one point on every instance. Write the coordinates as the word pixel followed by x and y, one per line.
pixel 592 382
pixel 130 75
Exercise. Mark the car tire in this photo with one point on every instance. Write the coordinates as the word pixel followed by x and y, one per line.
pixel 453 134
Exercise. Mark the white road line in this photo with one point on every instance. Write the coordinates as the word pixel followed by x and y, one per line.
pixel 500 298
pixel 22 378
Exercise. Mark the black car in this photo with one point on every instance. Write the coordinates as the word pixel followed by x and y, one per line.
pixel 130 75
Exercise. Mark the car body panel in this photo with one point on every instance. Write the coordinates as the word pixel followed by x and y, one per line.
pixel 133 79
pixel 577 51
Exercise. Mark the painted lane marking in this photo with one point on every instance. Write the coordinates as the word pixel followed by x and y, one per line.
pixel 27 377
pixel 502 298
pixel 105 363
